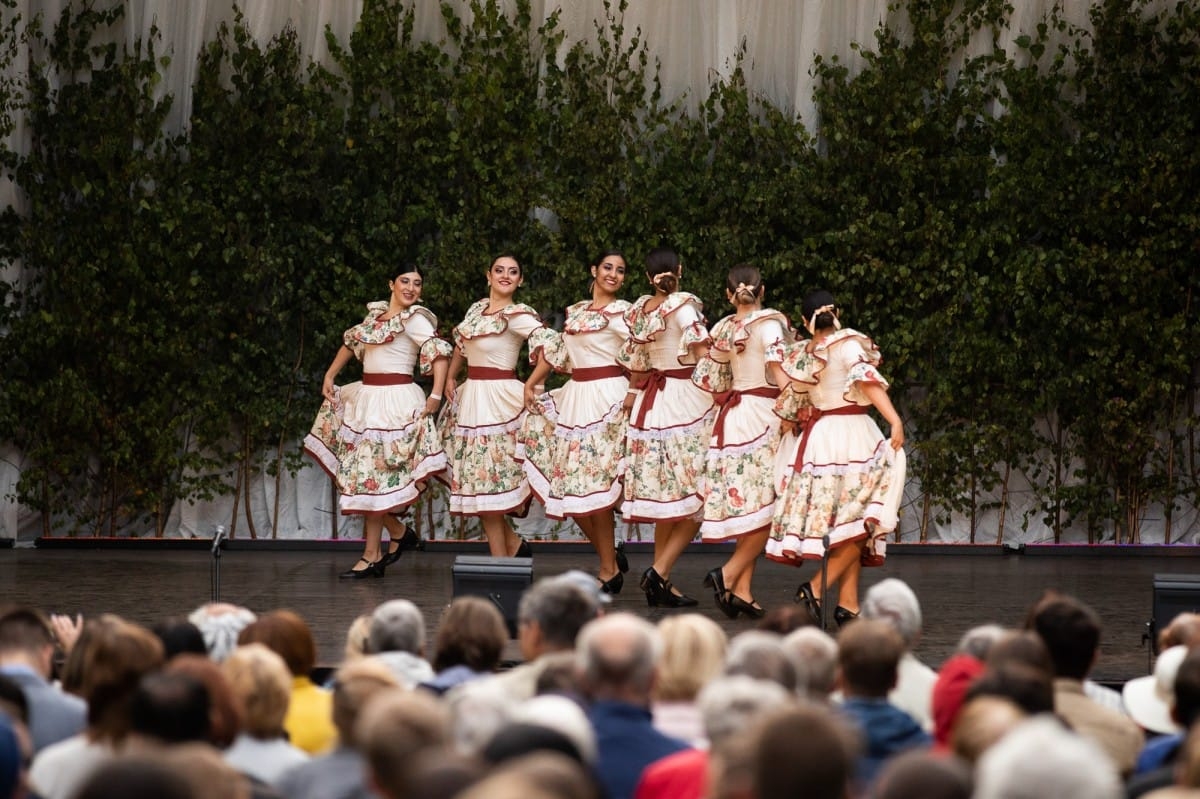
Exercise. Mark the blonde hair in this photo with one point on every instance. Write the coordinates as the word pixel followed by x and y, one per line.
pixel 261 679
pixel 693 653
pixel 356 637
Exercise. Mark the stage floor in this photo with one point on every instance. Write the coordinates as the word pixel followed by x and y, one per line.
pixel 957 591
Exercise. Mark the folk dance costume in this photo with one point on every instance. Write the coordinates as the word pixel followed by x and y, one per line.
pixel 373 440
pixel 481 425
pixel 669 423
pixel 838 476
pixel 574 453
pixel 739 476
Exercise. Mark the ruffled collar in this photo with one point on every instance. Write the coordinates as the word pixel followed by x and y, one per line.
pixel 645 325
pixel 376 330
pixel 476 323
pixel 806 366
pixel 731 333
pixel 583 318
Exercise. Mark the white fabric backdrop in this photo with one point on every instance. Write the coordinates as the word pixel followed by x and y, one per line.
pixel 695 41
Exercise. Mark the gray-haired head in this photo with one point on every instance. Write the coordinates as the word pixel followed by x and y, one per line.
pixel 761 655
pixel 618 655
pixel 220 623
pixel 818 651
pixel 977 641
pixel 396 626
pixel 730 705
pixel 891 600
pixel 1040 758
pixel 560 608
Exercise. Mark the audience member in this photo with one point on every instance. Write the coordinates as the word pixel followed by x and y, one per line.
pixel 27 658
pixel 260 678
pixel 978 641
pixel 469 642
pixel 1156 764
pixel 1182 630
pixel 1021 647
pixel 440 774
pixel 308 723
pixel 618 661
pixel 558 775
pixel 729 706
pixel 356 638
pixel 141 776
pixel 169 708
pixel 693 654
pixel 179 636
pixel 1030 689
pixel 343 771
pixel 396 731
pixel 761 656
pixel 397 638
pixel 106 664
pixel 983 721
pixel 804 751
pixel 815 652
pixel 892 600
pixel 924 775
pixel 221 623
pixel 208 775
pixel 868 653
pixel 1071 631
pixel 1042 758
pixel 226 710
pixel 785 619
pixel 564 715
pixel 11 758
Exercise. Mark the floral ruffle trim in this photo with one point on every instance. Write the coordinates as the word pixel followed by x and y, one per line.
pixel 645 325
pixel 803 366
pixel 693 334
pixel 433 350
pixel 713 372
pixel 792 405
pixel 861 372
pixel 712 375
pixel 548 344
pixel 374 330
pixel 583 318
pixel 476 323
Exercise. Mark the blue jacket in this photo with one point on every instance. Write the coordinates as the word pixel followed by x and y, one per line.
pixel 626 742
pixel 886 731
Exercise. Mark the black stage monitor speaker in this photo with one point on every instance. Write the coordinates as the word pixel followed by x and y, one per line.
pixel 1173 594
pixel 499 580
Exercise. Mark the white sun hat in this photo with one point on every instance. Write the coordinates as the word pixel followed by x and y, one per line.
pixel 1149 699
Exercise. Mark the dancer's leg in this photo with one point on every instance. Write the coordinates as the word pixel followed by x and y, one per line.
pixel 502 540
pixel 841 558
pixel 372 536
pixel 600 529
pixel 739 569
pixel 670 539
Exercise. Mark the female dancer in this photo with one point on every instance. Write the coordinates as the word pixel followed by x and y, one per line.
pixel 482 423
pixel 377 437
pixel 742 369
pixel 839 477
pixel 573 442
pixel 669 421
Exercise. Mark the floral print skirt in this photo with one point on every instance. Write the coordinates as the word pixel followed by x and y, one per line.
pixel 480 429
pixel 739 475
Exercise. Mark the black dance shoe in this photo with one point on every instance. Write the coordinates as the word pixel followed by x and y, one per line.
pixel 372 570
pixel 410 540
pixel 805 596
pixel 751 608
pixel 613 585
pixel 660 592
pixel 843 616
pixel 523 551
pixel 715 580
pixel 622 560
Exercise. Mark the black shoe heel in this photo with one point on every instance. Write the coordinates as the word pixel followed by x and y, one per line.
pixel 523 551
pixel 613 585
pixel 622 560
pixel 715 580
pixel 805 596
pixel 750 608
pixel 659 593
pixel 843 616
pixel 373 570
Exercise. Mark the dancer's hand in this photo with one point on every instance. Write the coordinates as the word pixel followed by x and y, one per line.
pixel 329 390
pixel 448 389
pixel 531 402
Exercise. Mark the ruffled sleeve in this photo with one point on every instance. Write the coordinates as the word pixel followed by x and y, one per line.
pixel 365 332
pixel 634 355
pixel 433 350
pixel 694 332
pixel 799 364
pixel 549 344
pixel 713 372
pixel 793 403
pixel 862 357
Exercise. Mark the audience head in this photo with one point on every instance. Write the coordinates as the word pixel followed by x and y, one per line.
pixel 978 641
pixel 397 626
pixel 472 634
pixel 395 731
pixel 923 775
pixel 820 769
pixel 105 666
pixel 26 637
pixel 170 708
pixel 1071 631
pixel 1023 647
pixel 981 722
pixel 554 773
pixel 225 707
pixel 286 634
pixel 1028 688
pixel 559 674
pixel 869 653
pixel 784 619
pixel 731 705
pixel 356 637
pixel 139 776
pixel 1186 689
pixel 356 685
pixel 440 774
pixel 517 739
pixel 1150 700
pixel 618 658
pixel 562 715
pixel 180 636
pixel 761 656
pixel 891 600
pixel 261 680
pixel 818 652
pixel 221 623
pixel 954 678
pixel 206 772
pixel 693 653
pixel 1040 757
pixel 1182 630
pixel 550 615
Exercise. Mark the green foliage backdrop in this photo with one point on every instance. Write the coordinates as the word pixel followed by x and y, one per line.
pixel 1019 231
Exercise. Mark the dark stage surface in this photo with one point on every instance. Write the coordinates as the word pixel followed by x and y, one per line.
pixel 956 590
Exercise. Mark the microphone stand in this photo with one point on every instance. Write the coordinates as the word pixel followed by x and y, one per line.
pixel 825 582
pixel 217 539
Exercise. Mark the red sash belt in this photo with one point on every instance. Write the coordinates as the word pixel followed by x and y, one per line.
pixel 385 379
pixel 732 401
pixel 490 373
pixel 586 373
pixel 655 382
pixel 815 414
